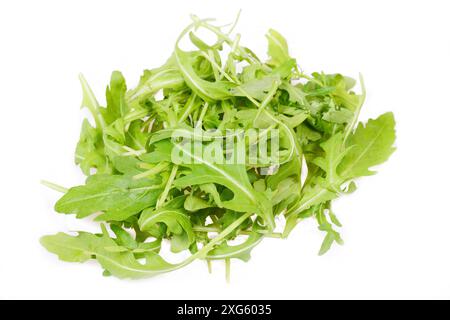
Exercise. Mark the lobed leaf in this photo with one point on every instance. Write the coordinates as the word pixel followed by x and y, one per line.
pixel 118 196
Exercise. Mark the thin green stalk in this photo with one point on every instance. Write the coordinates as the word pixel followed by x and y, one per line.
pixel 152 171
pixel 54 186
pixel 189 105
pixel 235 22
pixel 201 254
pixel 169 183
pixel 227 269
pixel 240 232
pixel 209 263
pixel 267 99
pixel 202 115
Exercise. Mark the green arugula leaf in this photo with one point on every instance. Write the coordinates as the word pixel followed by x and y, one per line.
pixel 120 264
pixel 256 88
pixel 278 48
pixel 334 154
pixel 118 196
pixel 209 91
pixel 115 97
pixel 369 145
pixel 175 218
pixel 90 102
pixel 240 251
pixel 194 203
pixel 89 153
pixel 331 235
pixel 211 189
pixel 124 238
pixel 313 194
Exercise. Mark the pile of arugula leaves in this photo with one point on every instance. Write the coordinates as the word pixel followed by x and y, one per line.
pixel 147 200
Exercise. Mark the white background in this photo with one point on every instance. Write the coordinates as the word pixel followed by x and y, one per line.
pixel 396 226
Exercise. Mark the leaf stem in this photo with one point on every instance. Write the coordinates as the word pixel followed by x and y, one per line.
pixel 267 99
pixel 240 232
pixel 201 254
pixel 235 22
pixel 54 186
pixel 227 269
pixel 209 264
pixel 169 183
pixel 202 115
pixel 189 105
pixel 152 171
